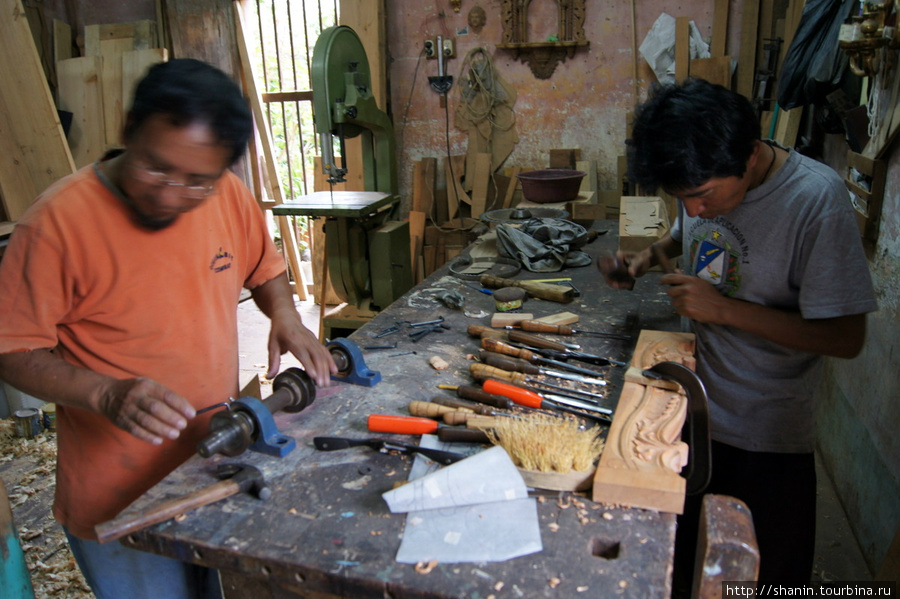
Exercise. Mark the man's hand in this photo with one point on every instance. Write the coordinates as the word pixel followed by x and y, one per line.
pixel 289 335
pixel 620 270
pixel 696 299
pixel 145 409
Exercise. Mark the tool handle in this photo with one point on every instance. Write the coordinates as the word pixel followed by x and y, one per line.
pixel 456 418
pixel 481 372
pixel 483 332
pixel 536 326
pixel 462 435
pixel 480 396
pixel 127 524
pixel 427 409
pixel 479 422
pixel 404 425
pixel 554 293
pixel 497 346
pixel 507 363
pixel 535 341
pixel 460 405
pixel 523 397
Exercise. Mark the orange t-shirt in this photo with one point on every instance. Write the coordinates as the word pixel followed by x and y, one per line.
pixel 124 301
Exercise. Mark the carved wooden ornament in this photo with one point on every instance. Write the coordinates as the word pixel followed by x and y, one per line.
pixel 543 56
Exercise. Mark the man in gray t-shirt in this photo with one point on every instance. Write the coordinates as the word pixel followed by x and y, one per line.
pixel 774 277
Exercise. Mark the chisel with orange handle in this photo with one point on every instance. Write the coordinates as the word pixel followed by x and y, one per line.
pixel 411 425
pixel 499 347
pixel 536 326
pixel 531 399
pixel 516 365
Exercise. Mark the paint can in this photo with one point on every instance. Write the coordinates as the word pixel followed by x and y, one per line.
pixel 28 422
pixel 49 411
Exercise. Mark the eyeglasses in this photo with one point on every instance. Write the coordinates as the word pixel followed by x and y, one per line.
pixel 154 177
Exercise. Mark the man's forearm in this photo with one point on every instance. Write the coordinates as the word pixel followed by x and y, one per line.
pixel 840 337
pixel 43 374
pixel 274 295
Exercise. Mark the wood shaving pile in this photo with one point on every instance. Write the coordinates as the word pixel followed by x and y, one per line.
pixel 547 443
pixel 28 468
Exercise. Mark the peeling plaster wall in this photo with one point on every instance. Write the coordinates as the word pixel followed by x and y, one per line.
pixel 860 401
pixel 583 105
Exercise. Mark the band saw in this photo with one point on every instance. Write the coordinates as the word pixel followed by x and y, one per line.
pixel 367 248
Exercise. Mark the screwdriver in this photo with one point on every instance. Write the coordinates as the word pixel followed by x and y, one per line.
pixel 517 365
pixel 411 425
pixel 536 326
pixel 497 346
pixel 531 399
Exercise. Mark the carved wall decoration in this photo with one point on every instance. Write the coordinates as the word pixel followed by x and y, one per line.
pixel 543 56
pixel 644 454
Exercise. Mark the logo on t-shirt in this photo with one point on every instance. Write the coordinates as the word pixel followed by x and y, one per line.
pixel 221 261
pixel 715 256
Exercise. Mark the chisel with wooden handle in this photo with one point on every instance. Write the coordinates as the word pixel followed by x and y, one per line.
pixel 499 347
pixel 479 331
pixel 410 425
pixel 429 409
pixel 553 293
pixel 515 364
pixel 546 401
pixel 542 345
pixel 536 326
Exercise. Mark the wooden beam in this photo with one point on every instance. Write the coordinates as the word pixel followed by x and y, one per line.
pixel 720 29
pixel 33 149
pixel 746 68
pixel 682 48
pixel 80 92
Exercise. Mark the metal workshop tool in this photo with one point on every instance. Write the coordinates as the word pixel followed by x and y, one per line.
pixel 413 425
pixel 497 346
pixel 547 401
pixel 536 326
pixel 248 423
pixel 385 445
pixel 234 479
pixel 523 366
pixel 350 364
pixel 695 431
pixel 367 245
pixel 541 345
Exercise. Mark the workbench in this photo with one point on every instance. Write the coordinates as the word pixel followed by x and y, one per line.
pixel 326 531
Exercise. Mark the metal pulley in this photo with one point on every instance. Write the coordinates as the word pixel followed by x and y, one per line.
pixel 519 215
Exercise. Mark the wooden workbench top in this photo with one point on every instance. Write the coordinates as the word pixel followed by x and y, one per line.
pixel 327 532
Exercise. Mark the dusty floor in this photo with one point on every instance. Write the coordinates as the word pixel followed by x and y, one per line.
pixel 27 467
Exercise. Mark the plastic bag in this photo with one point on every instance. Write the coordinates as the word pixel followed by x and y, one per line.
pixel 814 63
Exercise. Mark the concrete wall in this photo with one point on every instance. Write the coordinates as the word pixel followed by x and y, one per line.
pixel 860 402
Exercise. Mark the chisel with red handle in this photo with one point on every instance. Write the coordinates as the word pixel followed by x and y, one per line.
pixel 411 425
pixel 531 399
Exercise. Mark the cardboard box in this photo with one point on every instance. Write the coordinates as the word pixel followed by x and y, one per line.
pixel 642 221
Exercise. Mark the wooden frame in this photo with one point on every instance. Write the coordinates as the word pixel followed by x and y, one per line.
pixel 542 57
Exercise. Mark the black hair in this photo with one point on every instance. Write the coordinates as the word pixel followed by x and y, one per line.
pixel 684 135
pixel 191 91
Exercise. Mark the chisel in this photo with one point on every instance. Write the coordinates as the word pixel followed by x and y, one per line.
pixel 541 345
pixel 536 326
pixel 482 372
pixel 479 331
pixel 531 399
pixel 537 341
pixel 411 425
pixel 517 365
pixel 499 347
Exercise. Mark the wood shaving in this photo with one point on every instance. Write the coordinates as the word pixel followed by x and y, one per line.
pixel 554 582
pixel 426 567
pixel 553 526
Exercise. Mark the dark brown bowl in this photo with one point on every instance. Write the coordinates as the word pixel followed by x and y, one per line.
pixel 551 185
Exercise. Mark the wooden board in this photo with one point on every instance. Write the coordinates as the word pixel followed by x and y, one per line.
pixel 559 318
pixel 746 68
pixel 80 92
pixel 682 48
pixel 714 70
pixel 424 173
pixel 33 149
pixel 481 184
pixel 720 29
pixel 134 66
pixel 644 454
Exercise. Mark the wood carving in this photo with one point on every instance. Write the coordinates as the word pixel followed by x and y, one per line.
pixel 644 453
pixel 542 57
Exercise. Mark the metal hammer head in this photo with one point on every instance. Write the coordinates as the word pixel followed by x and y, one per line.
pixel 249 478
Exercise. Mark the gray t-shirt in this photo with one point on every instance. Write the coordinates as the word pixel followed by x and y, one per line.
pixel 792 244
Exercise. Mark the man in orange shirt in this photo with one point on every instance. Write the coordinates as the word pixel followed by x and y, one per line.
pixel 118 299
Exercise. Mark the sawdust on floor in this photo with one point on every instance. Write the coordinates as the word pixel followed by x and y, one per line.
pixel 28 470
